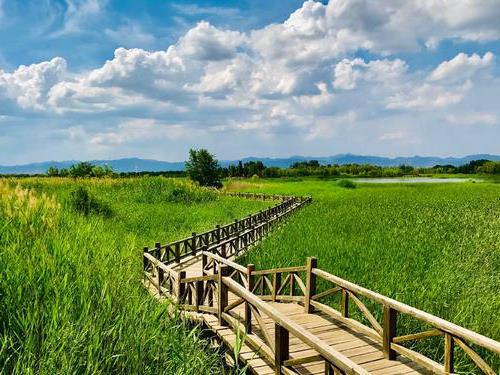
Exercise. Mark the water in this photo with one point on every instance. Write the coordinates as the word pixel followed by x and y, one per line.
pixel 413 180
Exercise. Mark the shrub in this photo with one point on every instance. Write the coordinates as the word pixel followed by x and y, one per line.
pixel 83 202
pixel 347 184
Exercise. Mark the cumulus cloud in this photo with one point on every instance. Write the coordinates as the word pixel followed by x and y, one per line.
pixel 461 67
pixel 29 85
pixel 301 76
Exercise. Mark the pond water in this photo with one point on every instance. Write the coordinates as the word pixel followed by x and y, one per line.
pixel 413 180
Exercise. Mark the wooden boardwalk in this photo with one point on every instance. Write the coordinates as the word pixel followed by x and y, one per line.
pixel 281 321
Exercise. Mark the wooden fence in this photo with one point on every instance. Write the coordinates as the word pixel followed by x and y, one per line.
pixel 220 276
pixel 253 225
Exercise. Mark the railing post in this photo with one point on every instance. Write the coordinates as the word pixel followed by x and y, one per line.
pixel 199 294
pixel 312 263
pixel 282 346
pixel 448 353
pixel 223 293
pixel 276 285
pixel 344 308
pixel 158 250
pixel 177 250
pixel 217 227
pixel 389 332
pixel 204 261
pixel 161 277
pixel 181 287
pixel 193 244
pixel 145 260
pixel 248 310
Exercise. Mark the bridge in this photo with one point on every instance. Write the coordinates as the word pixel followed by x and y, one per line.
pixel 297 320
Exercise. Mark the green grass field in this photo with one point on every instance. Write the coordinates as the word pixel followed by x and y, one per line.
pixel 71 301
pixel 433 246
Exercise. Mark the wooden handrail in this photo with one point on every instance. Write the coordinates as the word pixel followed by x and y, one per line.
pixel 433 320
pixel 331 355
pixel 225 261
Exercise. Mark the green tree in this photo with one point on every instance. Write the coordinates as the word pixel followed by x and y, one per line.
pixel 83 169
pixel 53 171
pixel 203 168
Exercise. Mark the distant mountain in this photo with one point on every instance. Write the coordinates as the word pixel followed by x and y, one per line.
pixel 138 165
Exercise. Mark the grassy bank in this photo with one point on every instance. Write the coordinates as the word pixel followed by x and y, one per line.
pixel 433 246
pixel 70 293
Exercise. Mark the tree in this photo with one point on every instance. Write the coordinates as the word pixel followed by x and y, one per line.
pixel 203 168
pixel 83 169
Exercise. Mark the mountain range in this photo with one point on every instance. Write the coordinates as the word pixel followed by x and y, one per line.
pixel 138 165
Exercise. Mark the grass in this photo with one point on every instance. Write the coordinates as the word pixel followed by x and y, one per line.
pixel 432 246
pixel 70 295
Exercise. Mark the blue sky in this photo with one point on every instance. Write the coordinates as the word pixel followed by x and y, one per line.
pixel 86 79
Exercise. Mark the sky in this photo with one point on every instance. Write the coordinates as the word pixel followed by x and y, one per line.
pixel 106 79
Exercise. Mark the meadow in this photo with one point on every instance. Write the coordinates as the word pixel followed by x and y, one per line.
pixel 71 300
pixel 432 246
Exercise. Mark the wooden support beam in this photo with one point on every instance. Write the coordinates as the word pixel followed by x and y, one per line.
pixel 389 332
pixel 145 260
pixel 344 307
pixel 448 353
pixel 281 347
pixel 311 264
pixel 223 292
pixel 193 244
pixel 248 311
pixel 181 287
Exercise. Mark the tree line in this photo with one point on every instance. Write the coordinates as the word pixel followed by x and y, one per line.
pixel 204 168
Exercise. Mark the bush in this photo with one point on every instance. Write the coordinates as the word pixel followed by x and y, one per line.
pixel 347 184
pixel 83 202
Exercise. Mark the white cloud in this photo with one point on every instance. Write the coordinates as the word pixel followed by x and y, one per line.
pixel 298 77
pixel 78 13
pixel 427 97
pixel 30 85
pixel 130 35
pixel 348 72
pixel 461 67
pixel 473 118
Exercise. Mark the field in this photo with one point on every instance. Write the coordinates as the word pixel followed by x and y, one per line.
pixel 432 246
pixel 70 296
pixel 71 301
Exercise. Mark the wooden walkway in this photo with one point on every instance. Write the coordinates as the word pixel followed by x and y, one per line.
pixel 281 321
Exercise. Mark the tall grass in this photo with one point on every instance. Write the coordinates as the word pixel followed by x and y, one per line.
pixel 434 247
pixel 70 293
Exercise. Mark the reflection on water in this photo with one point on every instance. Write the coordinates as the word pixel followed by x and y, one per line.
pixel 413 180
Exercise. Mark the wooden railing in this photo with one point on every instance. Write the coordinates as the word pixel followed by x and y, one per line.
pixel 209 293
pixel 189 246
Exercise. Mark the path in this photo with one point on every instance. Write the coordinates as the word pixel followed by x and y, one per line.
pixel 277 315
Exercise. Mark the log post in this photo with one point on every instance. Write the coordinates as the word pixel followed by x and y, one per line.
pixel 282 346
pixel 389 332
pixel 181 287
pixel 344 308
pixel 312 263
pixel 448 353
pixel 248 310
pixel 177 252
pixel 199 294
pixel 158 250
pixel 217 227
pixel 193 244
pixel 276 285
pixel 161 277
pixel 145 260
pixel 204 261
pixel 223 293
